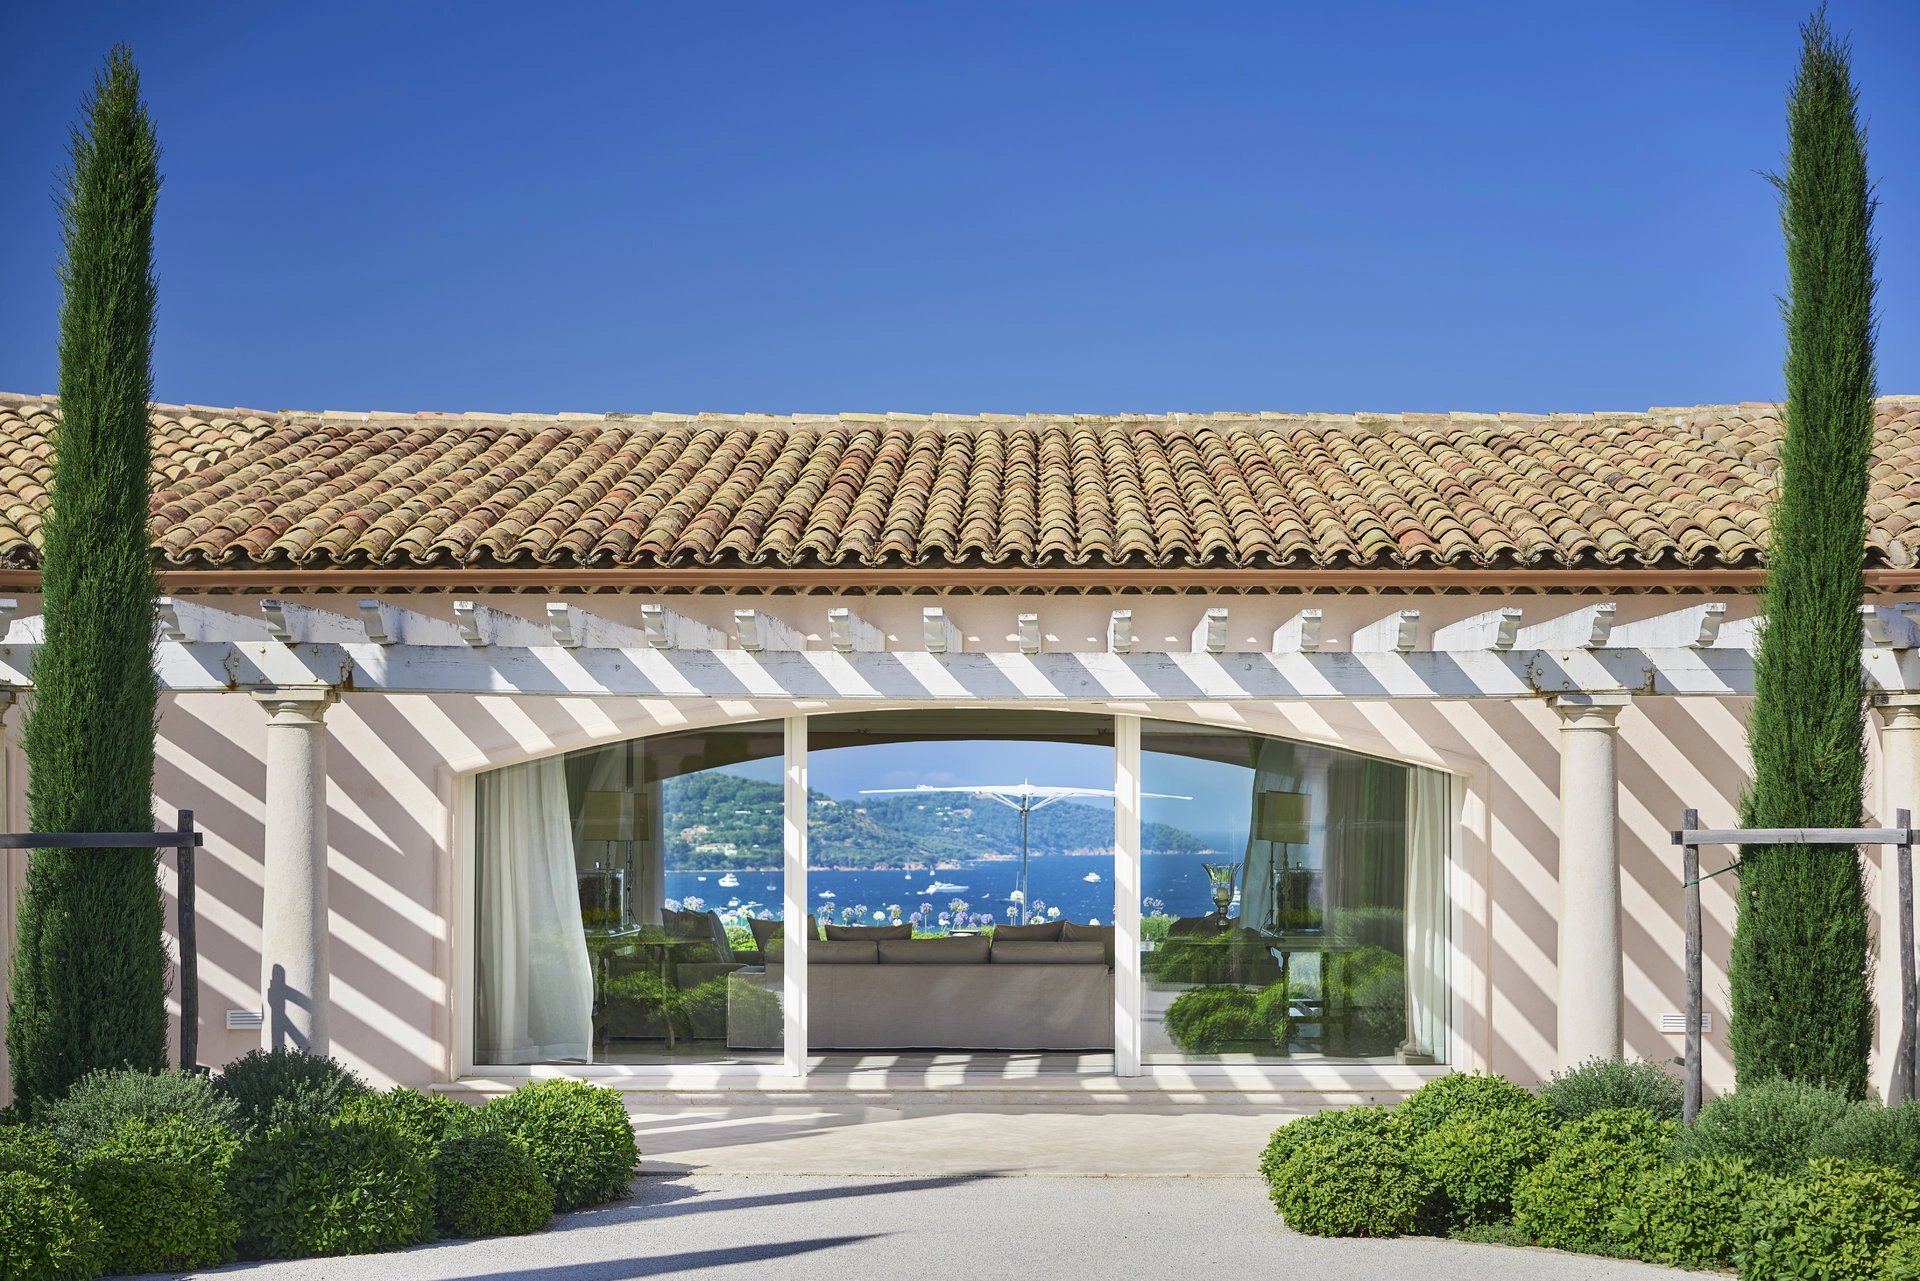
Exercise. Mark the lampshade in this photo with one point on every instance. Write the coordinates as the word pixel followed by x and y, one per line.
pixel 607 816
pixel 1280 817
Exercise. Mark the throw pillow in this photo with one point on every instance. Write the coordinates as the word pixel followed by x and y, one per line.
pixel 870 933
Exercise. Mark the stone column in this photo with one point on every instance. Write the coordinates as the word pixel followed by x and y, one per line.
pixel 1590 985
pixel 293 915
pixel 1899 716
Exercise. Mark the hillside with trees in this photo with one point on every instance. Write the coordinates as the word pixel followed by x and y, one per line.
pixel 722 822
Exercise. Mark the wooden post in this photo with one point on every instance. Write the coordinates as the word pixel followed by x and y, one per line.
pixel 1690 874
pixel 189 950
pixel 1904 1085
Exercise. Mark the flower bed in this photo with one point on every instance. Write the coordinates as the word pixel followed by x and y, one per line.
pixel 287 1155
pixel 1776 1180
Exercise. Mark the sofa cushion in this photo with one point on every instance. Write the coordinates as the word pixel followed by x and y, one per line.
pixel 832 951
pixel 961 951
pixel 871 933
pixel 1033 952
pixel 1101 934
pixel 765 932
pixel 1038 932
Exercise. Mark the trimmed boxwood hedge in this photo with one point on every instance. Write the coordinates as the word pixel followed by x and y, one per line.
pixel 1324 1125
pixel 1354 1184
pixel 330 1187
pixel 1463 1094
pixel 1839 1219
pixel 156 1216
pixel 578 1135
pixel 46 1232
pixel 487 1185
pixel 1688 1214
pixel 1473 1161
pixel 1567 1201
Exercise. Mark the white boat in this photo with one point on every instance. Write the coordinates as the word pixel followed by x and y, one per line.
pixel 733 902
pixel 944 887
pixel 729 880
pixel 828 894
pixel 1091 878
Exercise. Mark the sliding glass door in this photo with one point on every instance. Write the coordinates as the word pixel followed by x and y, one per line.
pixel 631 898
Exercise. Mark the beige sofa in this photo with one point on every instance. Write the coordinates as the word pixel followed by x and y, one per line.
pixel 949 994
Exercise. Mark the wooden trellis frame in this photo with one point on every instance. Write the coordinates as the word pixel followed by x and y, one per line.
pixel 1692 836
pixel 184 840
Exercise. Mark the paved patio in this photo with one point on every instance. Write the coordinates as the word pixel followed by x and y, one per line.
pixel 831 1229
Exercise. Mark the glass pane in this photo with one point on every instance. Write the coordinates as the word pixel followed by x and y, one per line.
pixel 961 867
pixel 1292 901
pixel 628 895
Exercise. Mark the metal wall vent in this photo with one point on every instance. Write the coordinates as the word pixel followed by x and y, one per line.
pixel 1677 1023
pixel 246 1020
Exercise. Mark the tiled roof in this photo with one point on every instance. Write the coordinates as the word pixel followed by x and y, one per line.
pixel 1670 487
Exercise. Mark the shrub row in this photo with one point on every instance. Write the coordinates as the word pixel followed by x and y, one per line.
pixel 286 1155
pixel 1778 1179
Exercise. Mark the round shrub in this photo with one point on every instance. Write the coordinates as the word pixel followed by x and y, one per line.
pixel 1474 1161
pixel 1901 1260
pixel 423 1120
pixel 1350 1185
pixel 1688 1215
pixel 578 1134
pixel 46 1233
pixel 173 1141
pixel 33 1151
pixel 1273 1008
pixel 1567 1201
pixel 1839 1220
pixel 1602 1084
pixel 1462 1094
pixel 286 1087
pixel 332 1187
pixel 155 1216
pixel 96 1104
pixel 1323 1125
pixel 486 1185
pixel 1207 1020
pixel 1876 1135
pixel 1773 1124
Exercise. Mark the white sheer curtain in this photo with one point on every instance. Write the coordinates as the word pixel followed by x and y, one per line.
pixel 535 979
pixel 1429 828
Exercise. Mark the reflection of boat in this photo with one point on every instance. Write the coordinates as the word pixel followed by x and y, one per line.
pixel 729 880
pixel 1091 878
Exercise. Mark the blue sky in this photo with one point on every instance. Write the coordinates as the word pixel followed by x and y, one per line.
pixel 982 208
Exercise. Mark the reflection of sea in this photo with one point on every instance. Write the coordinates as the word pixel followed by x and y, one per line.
pixel 1175 879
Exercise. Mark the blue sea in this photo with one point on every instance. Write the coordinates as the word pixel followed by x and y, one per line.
pixel 1172 883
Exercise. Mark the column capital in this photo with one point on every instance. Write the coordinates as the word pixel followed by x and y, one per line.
pixel 1589 711
pixel 1898 711
pixel 296 704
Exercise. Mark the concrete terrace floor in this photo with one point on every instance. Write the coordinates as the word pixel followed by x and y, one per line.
pixel 843 1191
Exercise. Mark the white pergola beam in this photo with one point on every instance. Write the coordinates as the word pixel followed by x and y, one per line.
pixel 300 624
pixel 1120 632
pixel 938 631
pixel 669 629
pixel 755 631
pixel 1299 634
pixel 1495 629
pixel 572 627
pixel 386 624
pixel 1695 627
pixel 1395 633
pixel 186 620
pixel 482 625
pixel 852 634
pixel 1589 627
pixel 1890 626
pixel 1210 633
pixel 1028 626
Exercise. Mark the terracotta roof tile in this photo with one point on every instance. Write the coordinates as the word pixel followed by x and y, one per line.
pixel 1678 486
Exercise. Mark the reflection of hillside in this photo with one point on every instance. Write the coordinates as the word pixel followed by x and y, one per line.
pixel 722 821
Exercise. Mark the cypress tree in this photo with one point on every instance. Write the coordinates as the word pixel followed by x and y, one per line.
pixel 90 966
pixel 1801 962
